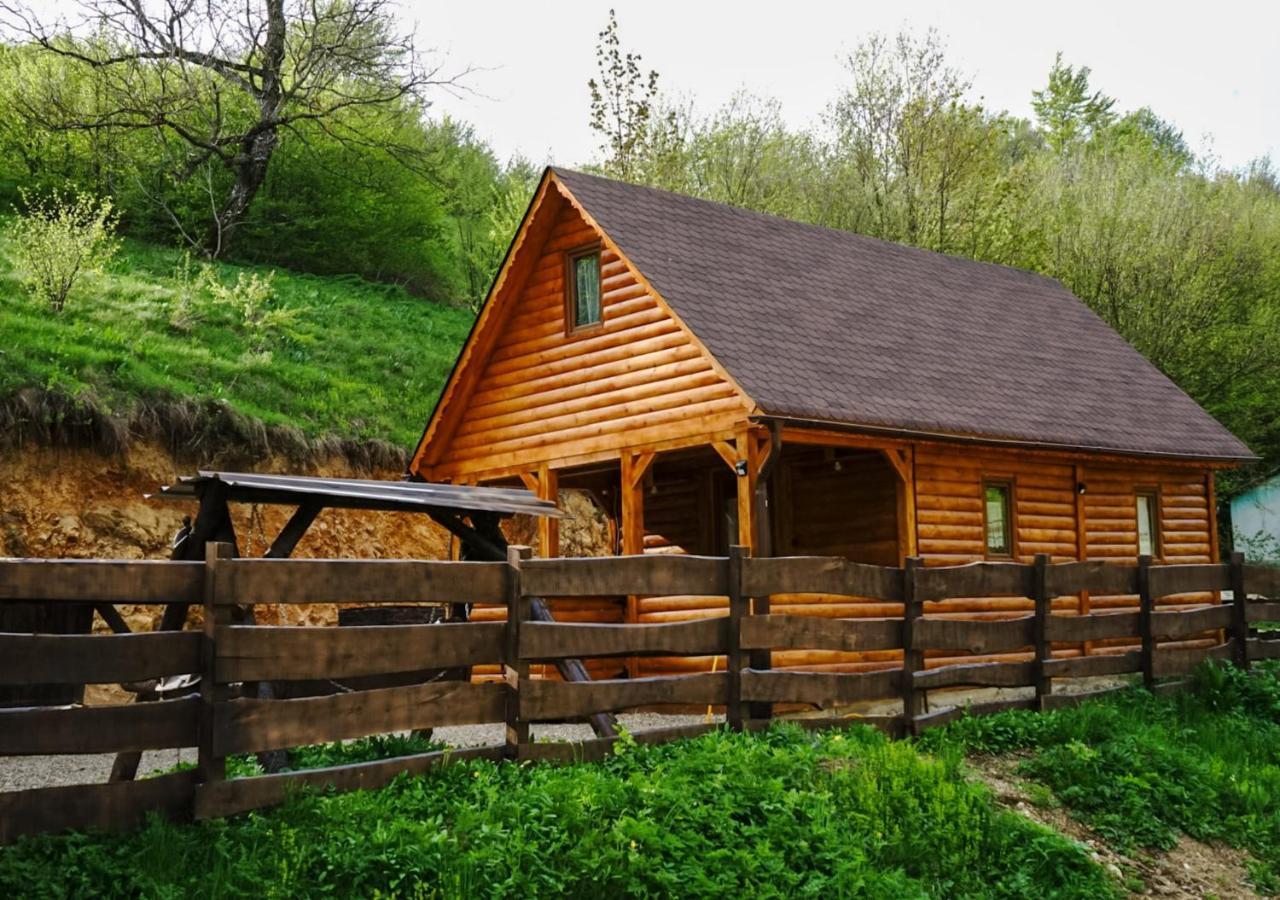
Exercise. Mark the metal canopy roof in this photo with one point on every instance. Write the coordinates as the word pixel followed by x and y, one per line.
pixel 358 493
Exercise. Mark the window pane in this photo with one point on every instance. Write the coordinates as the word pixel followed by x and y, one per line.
pixel 586 290
pixel 998 525
pixel 1146 525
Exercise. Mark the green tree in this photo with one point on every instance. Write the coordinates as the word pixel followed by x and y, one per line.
pixel 622 99
pixel 1065 109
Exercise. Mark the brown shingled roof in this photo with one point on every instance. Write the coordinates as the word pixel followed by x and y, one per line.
pixel 827 325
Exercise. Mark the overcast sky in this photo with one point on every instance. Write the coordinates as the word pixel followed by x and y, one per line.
pixel 1212 68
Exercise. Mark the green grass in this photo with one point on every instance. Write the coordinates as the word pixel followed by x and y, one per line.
pixel 786 813
pixel 1141 769
pixel 365 360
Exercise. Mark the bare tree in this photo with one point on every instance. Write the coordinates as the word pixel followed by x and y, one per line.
pixel 226 78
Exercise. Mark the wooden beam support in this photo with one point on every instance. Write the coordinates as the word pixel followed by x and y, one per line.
pixel 746 492
pixel 729 453
pixel 903 461
pixel 282 547
pixel 548 527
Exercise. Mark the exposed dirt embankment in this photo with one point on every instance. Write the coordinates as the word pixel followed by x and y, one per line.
pixel 78 503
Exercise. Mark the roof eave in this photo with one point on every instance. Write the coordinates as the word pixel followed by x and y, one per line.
pixel 998 441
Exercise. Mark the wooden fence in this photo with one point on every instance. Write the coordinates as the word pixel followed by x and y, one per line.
pixel 1025 650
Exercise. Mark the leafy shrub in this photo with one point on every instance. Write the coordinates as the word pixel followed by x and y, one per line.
pixel 252 300
pixel 59 240
pixel 786 813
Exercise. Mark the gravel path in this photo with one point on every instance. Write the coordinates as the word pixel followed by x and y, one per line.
pixel 20 772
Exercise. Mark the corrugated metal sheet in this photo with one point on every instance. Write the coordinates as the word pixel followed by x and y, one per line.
pixel 358 493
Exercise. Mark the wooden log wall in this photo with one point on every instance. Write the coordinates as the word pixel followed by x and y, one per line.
pixel 543 395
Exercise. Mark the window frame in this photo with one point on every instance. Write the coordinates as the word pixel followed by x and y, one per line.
pixel 1157 535
pixel 1009 486
pixel 571 257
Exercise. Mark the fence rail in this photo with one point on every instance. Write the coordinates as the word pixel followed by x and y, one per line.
pixel 909 656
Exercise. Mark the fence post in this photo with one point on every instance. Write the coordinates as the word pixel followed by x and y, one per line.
pixel 733 661
pixel 516 670
pixel 211 766
pixel 760 659
pixel 1146 609
pixel 912 658
pixel 1040 626
pixel 1239 612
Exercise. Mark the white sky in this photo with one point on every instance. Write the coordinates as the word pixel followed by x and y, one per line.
pixel 1212 68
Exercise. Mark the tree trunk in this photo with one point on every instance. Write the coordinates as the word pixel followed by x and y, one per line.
pixel 250 166
pixel 250 171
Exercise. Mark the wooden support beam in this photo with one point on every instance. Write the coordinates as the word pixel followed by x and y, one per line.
pixel 640 465
pixel 746 493
pixel 283 546
pixel 631 488
pixel 548 488
pixel 730 453
pixel 903 462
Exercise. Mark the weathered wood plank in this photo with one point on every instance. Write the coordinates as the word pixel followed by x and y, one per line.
pixel 265 653
pixel 99 729
pixel 1096 576
pixel 1259 649
pixel 559 640
pixel 114 806
pixel 820 575
pixel 568 752
pixel 1181 661
pixel 1018 674
pixel 1094 627
pixel 974 636
pixel 249 725
pixel 1189 579
pixel 547 700
pixel 947 716
pixel 626 575
pixel 1180 623
pixel 980 579
pixel 1262 612
pixel 783 632
pixel 1101 664
pixel 819 688
pixel 96 659
pixel 101 580
pixel 1263 581
pixel 226 798
pixel 365 581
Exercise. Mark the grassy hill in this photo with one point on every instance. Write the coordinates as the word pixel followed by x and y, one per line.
pixel 359 360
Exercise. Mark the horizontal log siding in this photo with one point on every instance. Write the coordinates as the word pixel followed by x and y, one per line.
pixel 1111 522
pixel 949 517
pixel 543 396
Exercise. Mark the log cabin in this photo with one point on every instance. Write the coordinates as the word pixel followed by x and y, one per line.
pixel 711 376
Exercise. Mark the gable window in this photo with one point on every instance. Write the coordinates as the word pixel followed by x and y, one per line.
pixel 1148 508
pixel 583 295
pixel 997 509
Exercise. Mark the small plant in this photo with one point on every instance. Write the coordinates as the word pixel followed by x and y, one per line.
pixel 60 239
pixel 186 312
pixel 252 301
